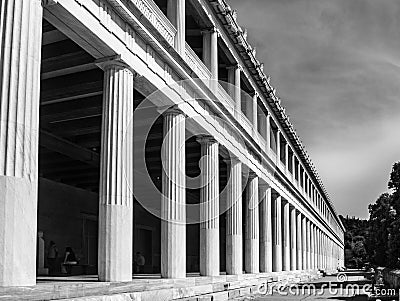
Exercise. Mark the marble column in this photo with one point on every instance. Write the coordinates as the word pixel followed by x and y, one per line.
pixel 255 112
pixel 299 246
pixel 304 242
pixel 234 74
pixel 234 226
pixel 277 234
pixel 278 148
pixel 287 158
pixel 209 207
pixel 312 246
pixel 286 235
pixel 173 200
pixel 20 50
pixel 269 134
pixel 116 174
pixel 293 238
pixel 266 230
pixel 210 55
pixel 315 248
pixel 252 244
pixel 309 264
pixel 176 12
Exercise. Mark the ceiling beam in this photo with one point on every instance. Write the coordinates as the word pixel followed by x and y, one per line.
pixel 69 149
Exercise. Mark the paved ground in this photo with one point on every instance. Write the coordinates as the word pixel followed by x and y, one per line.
pixel 327 288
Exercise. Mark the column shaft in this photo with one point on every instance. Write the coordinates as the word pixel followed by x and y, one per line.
pixel 173 201
pixel 309 267
pixel 266 230
pixel 304 242
pixel 293 239
pixel 176 12
pixel 20 52
pixel 255 112
pixel 116 175
pixel 252 245
pixel 209 207
pixel 277 234
pixel 299 246
pixel 286 236
pixel 234 239
pixel 210 55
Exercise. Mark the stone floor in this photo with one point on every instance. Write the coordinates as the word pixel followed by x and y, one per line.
pixel 152 287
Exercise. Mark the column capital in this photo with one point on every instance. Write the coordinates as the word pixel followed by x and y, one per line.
pixel 212 29
pixel 112 62
pixel 171 111
pixel 234 67
pixel 206 139
pixel 46 3
pixel 252 175
pixel 231 159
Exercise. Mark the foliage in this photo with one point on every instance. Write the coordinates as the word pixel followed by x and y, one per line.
pixel 383 240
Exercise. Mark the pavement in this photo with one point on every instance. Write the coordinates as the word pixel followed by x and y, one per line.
pixel 348 286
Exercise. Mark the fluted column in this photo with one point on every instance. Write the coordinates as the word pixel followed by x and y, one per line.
pixel 234 87
pixel 255 112
pixel 269 134
pixel 210 55
pixel 266 230
pixel 116 175
pixel 173 200
pixel 293 238
pixel 315 248
pixel 234 238
pixel 312 247
pixel 176 12
pixel 20 52
pixel 209 207
pixel 308 232
pixel 252 245
pixel 286 235
pixel 304 242
pixel 299 245
pixel 277 234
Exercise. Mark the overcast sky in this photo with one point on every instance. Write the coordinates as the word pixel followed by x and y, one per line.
pixel 336 66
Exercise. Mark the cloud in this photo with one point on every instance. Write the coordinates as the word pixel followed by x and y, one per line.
pixel 335 64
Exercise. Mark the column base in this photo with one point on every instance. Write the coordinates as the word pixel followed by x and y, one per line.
pixel 234 254
pixel 18 231
pixel 209 252
pixel 115 243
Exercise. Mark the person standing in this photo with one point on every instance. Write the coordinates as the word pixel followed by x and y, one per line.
pixel 52 255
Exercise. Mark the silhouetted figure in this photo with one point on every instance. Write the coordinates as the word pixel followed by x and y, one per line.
pixel 69 260
pixel 140 261
pixel 52 255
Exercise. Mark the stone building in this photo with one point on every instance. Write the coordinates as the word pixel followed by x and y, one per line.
pixel 150 126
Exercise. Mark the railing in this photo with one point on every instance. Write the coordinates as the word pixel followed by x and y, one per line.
pixel 245 122
pixel 196 64
pixel 226 99
pixel 157 18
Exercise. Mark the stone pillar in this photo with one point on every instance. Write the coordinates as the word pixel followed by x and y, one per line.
pixel 255 112
pixel 209 207
pixel 293 168
pixel 277 234
pixel 299 242
pixel 20 49
pixel 234 239
pixel 210 55
pixel 309 266
pixel 173 200
pixel 304 241
pixel 268 136
pixel 286 235
pixel 312 247
pixel 278 148
pixel 266 230
pixel 293 239
pixel 252 244
pixel 287 158
pixel 234 81
pixel 315 248
pixel 176 12
pixel 116 174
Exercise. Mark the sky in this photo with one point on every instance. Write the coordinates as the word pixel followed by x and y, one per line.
pixel 336 67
